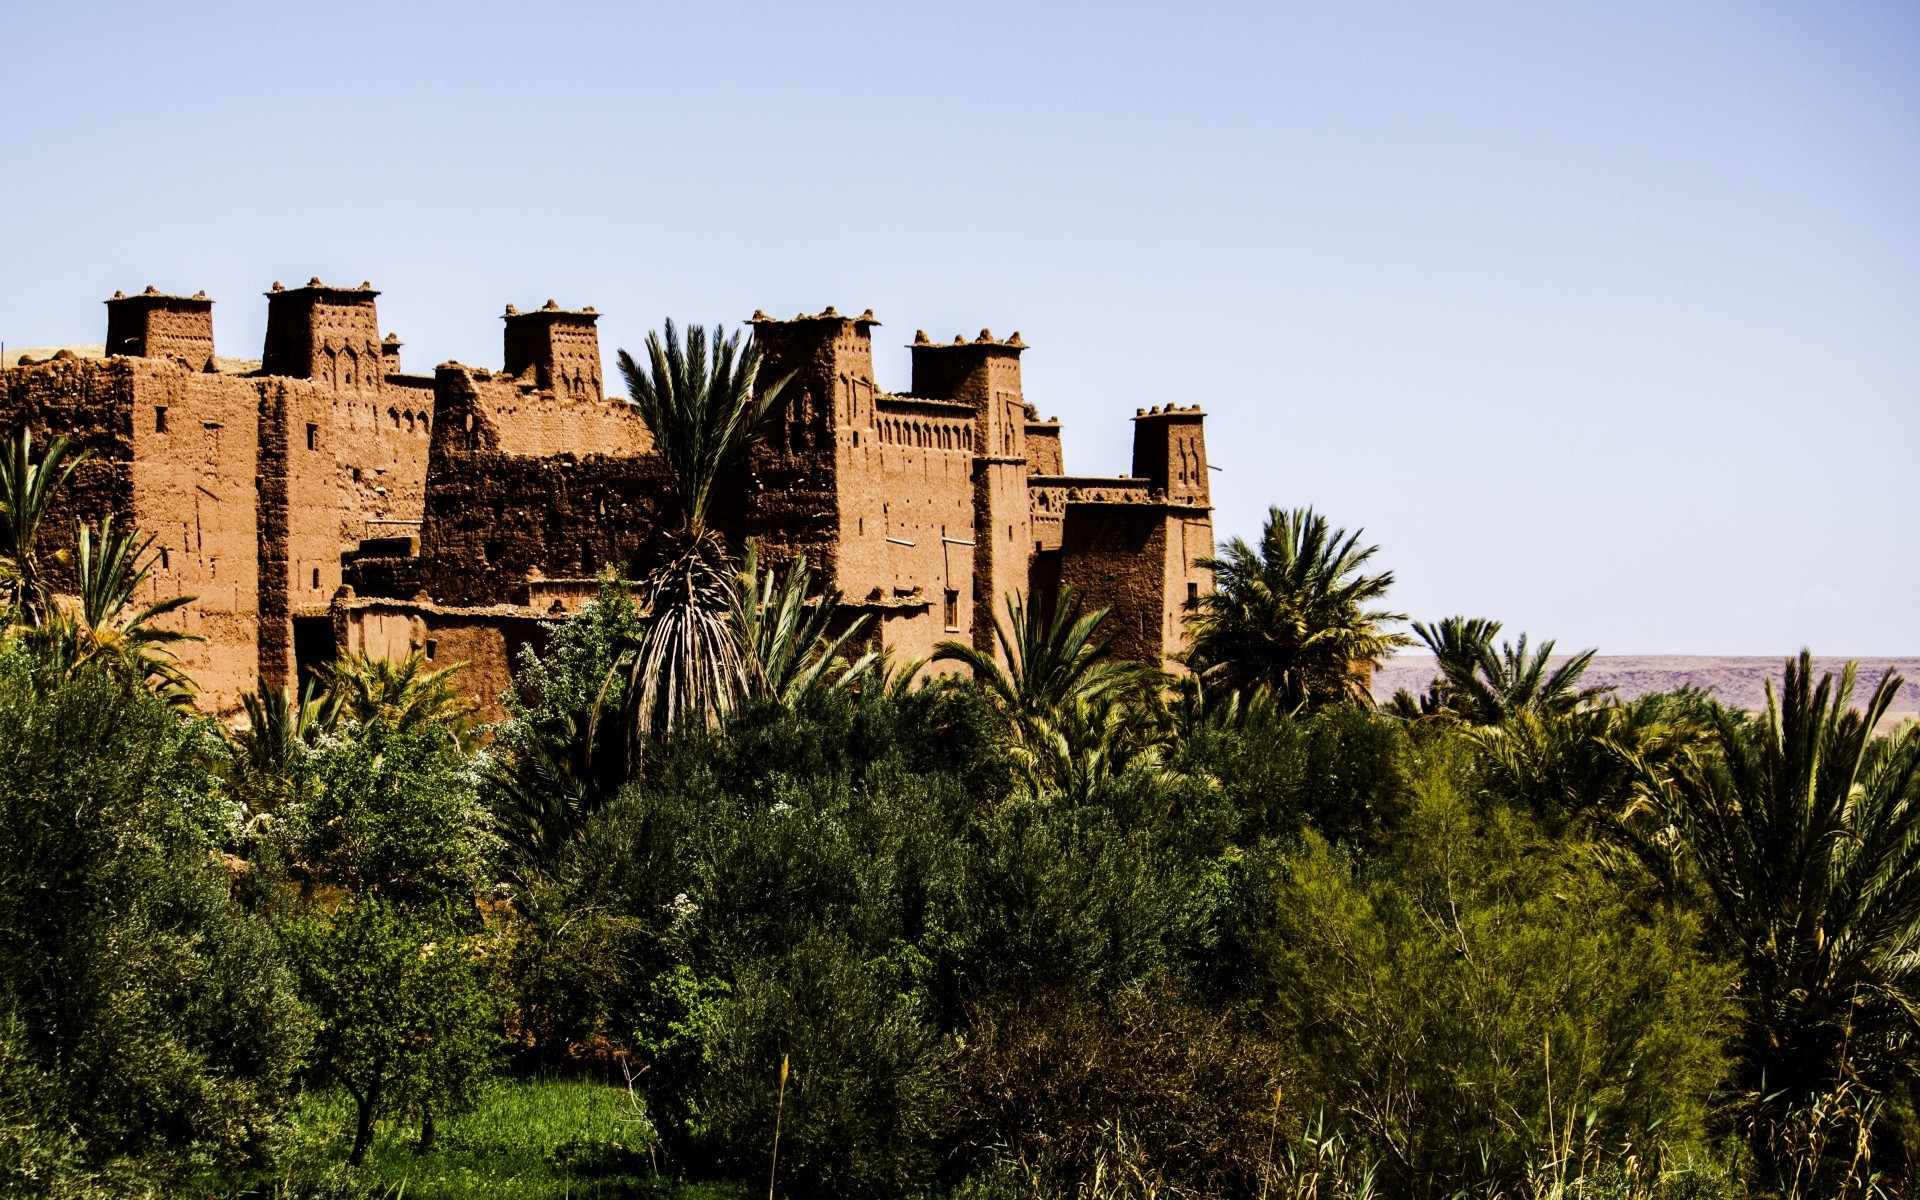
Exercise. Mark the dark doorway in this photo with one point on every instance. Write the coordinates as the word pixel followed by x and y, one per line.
pixel 312 648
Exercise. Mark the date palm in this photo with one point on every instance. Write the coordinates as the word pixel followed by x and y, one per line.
pixel 103 624
pixel 1052 661
pixel 1293 615
pixel 1482 685
pixel 705 407
pixel 403 694
pixel 1803 831
pixel 786 633
pixel 27 488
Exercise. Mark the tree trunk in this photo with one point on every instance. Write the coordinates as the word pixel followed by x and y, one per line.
pixel 363 1125
pixel 429 1132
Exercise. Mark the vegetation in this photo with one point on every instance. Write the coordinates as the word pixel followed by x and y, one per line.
pixel 1291 616
pixel 1054 925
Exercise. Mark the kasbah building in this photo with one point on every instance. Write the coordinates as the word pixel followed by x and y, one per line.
pixel 323 500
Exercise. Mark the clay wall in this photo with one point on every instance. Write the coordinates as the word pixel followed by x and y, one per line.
pixel 1114 556
pixel 487 641
pixel 509 415
pixel 174 454
pixel 1043 448
pixel 910 534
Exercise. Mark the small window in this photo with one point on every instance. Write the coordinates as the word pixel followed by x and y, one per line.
pixel 953 610
pixel 313 437
pixel 433 648
pixel 1193 595
pixel 160 418
pixel 316 579
pixel 165 562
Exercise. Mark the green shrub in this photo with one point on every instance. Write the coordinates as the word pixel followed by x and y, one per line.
pixel 1472 998
pixel 147 1021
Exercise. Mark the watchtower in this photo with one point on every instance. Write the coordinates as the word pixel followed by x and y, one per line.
pixel 155 325
pixel 984 374
pixel 560 346
pixel 327 334
pixel 1170 453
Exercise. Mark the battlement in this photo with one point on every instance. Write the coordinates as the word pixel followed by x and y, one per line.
pixel 155 325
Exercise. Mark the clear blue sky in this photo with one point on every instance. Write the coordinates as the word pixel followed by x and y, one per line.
pixel 1602 318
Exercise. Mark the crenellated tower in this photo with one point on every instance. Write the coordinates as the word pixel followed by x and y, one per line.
pixel 1170 452
pixel 984 374
pixel 560 347
pixel 154 325
pixel 327 334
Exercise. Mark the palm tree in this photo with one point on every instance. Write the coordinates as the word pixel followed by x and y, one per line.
pixel 1051 661
pixel 1075 716
pixel 279 726
pixel 401 694
pixel 1484 686
pixel 1293 616
pixel 101 625
pixel 700 404
pixel 26 493
pixel 1803 830
pixel 784 632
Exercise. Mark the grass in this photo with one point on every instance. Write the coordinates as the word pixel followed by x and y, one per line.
pixel 538 1140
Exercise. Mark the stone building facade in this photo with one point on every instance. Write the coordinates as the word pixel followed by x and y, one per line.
pixel 323 499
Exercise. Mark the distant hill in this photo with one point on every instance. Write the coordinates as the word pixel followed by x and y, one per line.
pixel 1736 681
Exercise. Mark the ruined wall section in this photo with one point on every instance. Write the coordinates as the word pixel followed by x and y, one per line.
pixel 1043 448
pixel 496 519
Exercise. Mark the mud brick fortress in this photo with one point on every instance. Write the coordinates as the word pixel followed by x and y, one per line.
pixel 323 500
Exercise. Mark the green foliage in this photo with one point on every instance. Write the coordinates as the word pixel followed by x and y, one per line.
pixel 409 1011
pixel 146 1026
pixel 1050 1076
pixel 785 629
pixel 27 488
pixel 401 695
pixel 390 812
pixel 1479 990
pixel 1482 686
pixel 1804 831
pixel 557 763
pixel 1292 615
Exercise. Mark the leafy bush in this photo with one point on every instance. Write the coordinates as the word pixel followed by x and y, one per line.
pixel 144 1020
pixel 1048 1077
pixel 1479 991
